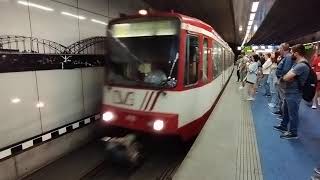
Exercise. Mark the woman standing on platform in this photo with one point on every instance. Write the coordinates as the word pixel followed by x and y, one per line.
pixel 272 80
pixel 251 78
pixel 316 68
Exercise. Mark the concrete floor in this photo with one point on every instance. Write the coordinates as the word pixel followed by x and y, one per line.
pixel 226 148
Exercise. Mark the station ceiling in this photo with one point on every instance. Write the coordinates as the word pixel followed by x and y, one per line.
pixel 278 20
pixel 295 21
pixel 218 13
pixel 225 16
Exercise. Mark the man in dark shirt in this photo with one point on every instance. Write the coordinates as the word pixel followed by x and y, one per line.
pixel 292 81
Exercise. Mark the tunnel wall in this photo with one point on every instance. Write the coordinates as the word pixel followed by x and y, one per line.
pixel 18 19
pixel 33 134
pixel 67 96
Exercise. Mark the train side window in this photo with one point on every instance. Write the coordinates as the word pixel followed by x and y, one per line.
pixel 217 60
pixel 192 60
pixel 205 60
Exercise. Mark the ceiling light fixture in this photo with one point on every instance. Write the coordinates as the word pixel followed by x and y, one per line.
pixel 252 15
pixel 240 28
pixel 250 23
pixel 73 15
pixel 99 22
pixel 255 27
pixel 254 7
pixel 25 3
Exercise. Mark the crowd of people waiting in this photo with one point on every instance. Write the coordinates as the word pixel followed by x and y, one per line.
pixel 283 76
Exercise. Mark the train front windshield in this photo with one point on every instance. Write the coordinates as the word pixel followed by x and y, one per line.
pixel 143 53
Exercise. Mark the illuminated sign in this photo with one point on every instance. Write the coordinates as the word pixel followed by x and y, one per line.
pixel 147 28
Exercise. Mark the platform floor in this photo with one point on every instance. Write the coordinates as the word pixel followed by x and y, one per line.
pixel 226 148
pixel 239 143
pixel 287 159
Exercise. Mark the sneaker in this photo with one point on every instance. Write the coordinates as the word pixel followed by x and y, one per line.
pixel 276 113
pixel 250 99
pixel 315 177
pixel 314 106
pixel 280 128
pixel 271 105
pixel 317 170
pixel 289 135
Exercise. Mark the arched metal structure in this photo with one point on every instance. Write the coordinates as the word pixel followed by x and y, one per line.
pixel 93 45
pixel 22 44
pixel 30 45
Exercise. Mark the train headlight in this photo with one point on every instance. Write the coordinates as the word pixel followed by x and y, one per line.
pixel 158 125
pixel 108 116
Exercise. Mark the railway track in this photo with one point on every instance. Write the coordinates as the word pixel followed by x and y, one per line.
pixel 162 157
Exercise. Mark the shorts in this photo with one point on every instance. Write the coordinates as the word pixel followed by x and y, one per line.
pixel 242 75
pixel 318 86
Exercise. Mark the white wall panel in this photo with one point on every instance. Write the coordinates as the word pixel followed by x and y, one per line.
pixel 52 25
pixel 61 93
pixel 69 2
pixel 93 79
pixel 14 18
pixel 89 28
pixel 96 6
pixel 19 120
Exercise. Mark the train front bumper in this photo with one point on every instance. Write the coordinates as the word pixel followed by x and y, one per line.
pixel 146 121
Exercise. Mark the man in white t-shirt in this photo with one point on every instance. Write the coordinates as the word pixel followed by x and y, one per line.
pixel 266 67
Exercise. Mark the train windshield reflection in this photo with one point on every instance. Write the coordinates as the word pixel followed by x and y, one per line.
pixel 143 53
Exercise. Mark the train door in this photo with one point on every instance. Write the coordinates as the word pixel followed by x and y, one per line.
pixel 223 65
pixel 205 57
pixel 192 58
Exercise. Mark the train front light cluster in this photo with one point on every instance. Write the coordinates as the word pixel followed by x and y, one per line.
pixel 158 125
pixel 107 116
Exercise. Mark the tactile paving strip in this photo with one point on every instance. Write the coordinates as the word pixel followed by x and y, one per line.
pixel 248 159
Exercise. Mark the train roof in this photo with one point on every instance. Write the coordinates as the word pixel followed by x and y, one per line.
pixel 183 18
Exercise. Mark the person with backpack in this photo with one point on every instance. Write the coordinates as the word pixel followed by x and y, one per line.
pixel 298 85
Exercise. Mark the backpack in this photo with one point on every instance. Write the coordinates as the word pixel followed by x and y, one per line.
pixel 309 87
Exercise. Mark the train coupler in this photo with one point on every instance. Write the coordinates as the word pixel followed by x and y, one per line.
pixel 124 150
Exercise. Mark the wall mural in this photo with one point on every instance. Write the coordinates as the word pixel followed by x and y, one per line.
pixel 20 53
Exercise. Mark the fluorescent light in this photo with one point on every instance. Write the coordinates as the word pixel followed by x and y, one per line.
pixel 250 23
pixel 252 15
pixel 143 12
pixel 240 28
pixel 239 48
pixel 99 22
pixel 40 104
pixel 254 6
pixel 255 27
pixel 73 15
pixel 15 100
pixel 262 47
pixel 25 3
pixel 249 28
pixel 270 47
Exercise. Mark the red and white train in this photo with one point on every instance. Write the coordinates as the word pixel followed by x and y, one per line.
pixel 164 73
